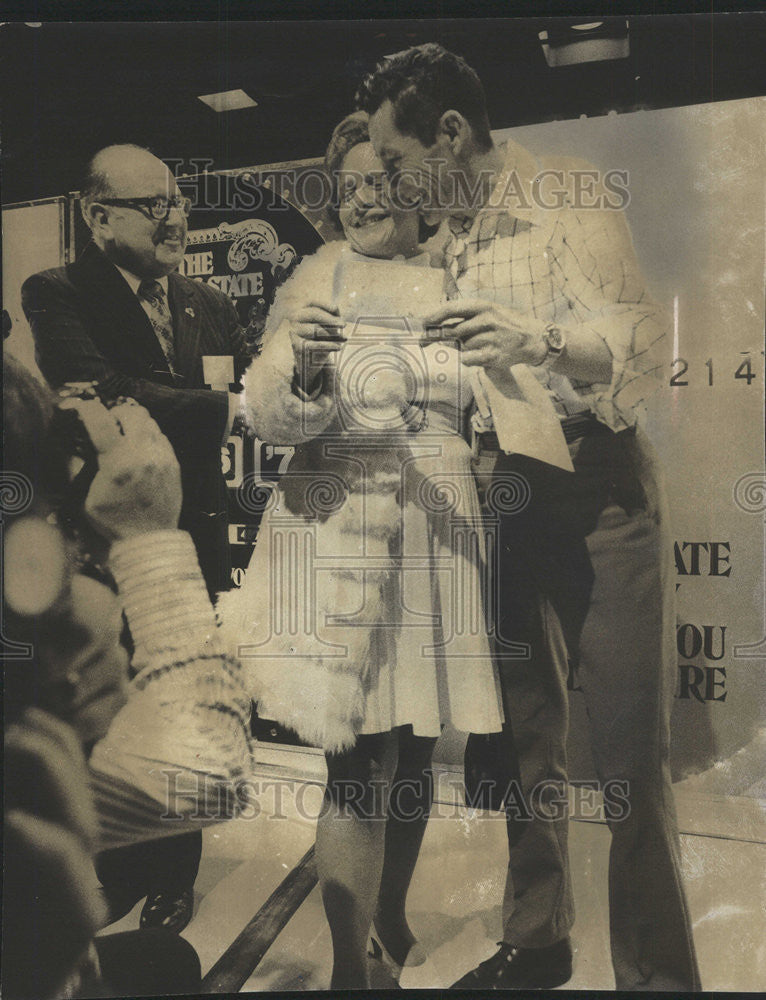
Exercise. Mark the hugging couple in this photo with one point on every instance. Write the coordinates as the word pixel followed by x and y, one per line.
pixel 384 600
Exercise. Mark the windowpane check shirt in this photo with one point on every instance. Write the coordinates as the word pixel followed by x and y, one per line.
pixel 570 265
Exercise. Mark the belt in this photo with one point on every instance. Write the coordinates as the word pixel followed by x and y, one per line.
pixel 579 425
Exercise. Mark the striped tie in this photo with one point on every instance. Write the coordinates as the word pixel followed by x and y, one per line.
pixel 153 293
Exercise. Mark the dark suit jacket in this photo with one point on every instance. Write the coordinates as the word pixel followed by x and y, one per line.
pixel 89 326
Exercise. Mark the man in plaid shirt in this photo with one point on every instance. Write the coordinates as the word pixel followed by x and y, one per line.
pixel 544 283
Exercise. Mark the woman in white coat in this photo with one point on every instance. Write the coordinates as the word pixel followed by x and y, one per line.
pixel 360 622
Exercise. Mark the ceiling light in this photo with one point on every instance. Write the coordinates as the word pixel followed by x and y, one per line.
pixel 228 100
pixel 568 44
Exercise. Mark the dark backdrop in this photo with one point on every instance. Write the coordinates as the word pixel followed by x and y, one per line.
pixel 71 88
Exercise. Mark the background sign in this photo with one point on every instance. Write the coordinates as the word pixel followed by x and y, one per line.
pixel 245 239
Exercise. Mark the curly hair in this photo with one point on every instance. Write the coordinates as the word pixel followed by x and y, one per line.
pixel 351 131
pixel 422 83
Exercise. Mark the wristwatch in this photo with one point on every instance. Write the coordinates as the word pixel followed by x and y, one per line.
pixel 555 341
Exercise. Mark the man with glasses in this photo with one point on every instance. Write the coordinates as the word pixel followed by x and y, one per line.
pixel 121 316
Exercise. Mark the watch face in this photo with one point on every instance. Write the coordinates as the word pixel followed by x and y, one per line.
pixel 555 338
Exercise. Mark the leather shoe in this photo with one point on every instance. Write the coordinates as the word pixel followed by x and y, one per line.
pixel 173 911
pixel 514 968
pixel 118 903
pixel 417 973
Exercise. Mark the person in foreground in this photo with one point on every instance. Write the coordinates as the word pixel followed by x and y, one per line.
pixel 375 688
pixel 553 286
pixel 122 316
pixel 86 752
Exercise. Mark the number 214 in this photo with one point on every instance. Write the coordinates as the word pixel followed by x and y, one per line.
pixel 745 371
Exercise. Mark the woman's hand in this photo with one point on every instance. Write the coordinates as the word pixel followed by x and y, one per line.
pixel 316 333
pixel 137 488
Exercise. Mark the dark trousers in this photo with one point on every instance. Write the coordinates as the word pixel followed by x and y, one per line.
pixel 168 865
pixel 585 577
pixel 146 963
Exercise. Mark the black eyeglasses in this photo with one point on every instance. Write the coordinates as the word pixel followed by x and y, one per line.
pixel 158 208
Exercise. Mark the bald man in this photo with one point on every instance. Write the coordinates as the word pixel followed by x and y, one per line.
pixel 123 317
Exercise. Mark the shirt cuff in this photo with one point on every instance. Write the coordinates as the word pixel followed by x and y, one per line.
pixel 163 593
pixel 618 403
pixel 235 410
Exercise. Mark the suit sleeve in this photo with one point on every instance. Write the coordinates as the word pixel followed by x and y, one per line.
pixel 65 352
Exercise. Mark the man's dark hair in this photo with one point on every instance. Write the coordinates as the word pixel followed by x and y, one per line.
pixel 422 83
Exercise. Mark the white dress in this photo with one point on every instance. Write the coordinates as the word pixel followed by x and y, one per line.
pixel 362 607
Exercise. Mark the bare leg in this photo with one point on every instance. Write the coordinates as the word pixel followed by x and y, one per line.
pixel 409 807
pixel 349 850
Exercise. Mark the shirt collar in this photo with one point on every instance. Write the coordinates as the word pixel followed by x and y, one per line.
pixel 512 191
pixel 134 281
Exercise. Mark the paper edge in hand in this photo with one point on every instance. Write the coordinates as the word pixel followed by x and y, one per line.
pixel 527 423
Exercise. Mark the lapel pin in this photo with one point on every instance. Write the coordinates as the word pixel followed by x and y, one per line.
pixel 189 311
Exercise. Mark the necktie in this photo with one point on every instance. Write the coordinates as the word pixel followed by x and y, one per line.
pixel 153 294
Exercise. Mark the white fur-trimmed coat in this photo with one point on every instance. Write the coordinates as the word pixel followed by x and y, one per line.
pixel 317 694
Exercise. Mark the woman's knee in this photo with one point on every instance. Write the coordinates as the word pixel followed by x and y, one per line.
pixel 359 780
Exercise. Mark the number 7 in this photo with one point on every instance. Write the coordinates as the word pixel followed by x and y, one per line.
pixel 286 451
